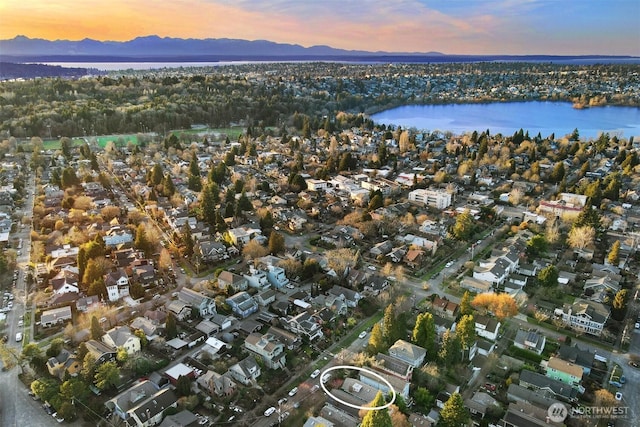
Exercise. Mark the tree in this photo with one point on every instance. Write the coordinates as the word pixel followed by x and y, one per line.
pixel 244 204
pixel 45 388
pixel 424 334
pixel 107 375
pixel 589 217
pixel 376 340
pixel 122 355
pixel 376 202
pixel 466 331
pixel 619 304
pixel 536 246
pixel 377 418
pixel 501 305
pixel 465 304
pixel 581 237
pixel 276 243
pixel 194 182
pixel 423 398
pixel 451 350
pixel 254 249
pixel 392 328
pixel 183 385
pixel 603 397
pixel 142 242
pixel 187 239
pixel 548 276
pixel 74 388
pixel 614 254
pixel 208 205
pixel 171 327
pixel 463 227
pixel 96 330
pixel 55 347
pixel 454 414
pixel 557 174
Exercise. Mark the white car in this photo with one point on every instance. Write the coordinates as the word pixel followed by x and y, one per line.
pixel 449 264
pixel 315 373
pixel 18 336
pixel 293 391
pixel 325 378
pixel 269 411
pixel 362 334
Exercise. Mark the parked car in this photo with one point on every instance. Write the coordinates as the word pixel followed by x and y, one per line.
pixel 293 391
pixel 315 373
pixel 362 334
pixel 18 336
pixel 282 401
pixel 269 411
pixel 325 378
pixel 618 395
pixel 634 364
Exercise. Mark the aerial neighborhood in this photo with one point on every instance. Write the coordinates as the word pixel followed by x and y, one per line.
pixel 211 276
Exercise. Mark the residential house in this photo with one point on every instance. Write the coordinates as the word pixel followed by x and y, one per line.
pixel 117 237
pixel 206 306
pixel 55 316
pixel 215 384
pixel 148 326
pixel 211 251
pixel 64 363
pixel 237 282
pixel 180 309
pixel 100 351
pixel 578 356
pixel 268 348
pixel 475 285
pixel 149 412
pixel 480 403
pixel 487 327
pixel 394 366
pixel 222 322
pixel 400 386
pixel 265 298
pixel 276 276
pixel 414 258
pixel 122 337
pixel 483 347
pixel 444 307
pixel 493 271
pixel 121 404
pixel 242 235
pixel 289 340
pixel 245 371
pixel 381 249
pixel 584 316
pixel 546 386
pixel 142 272
pixel 184 418
pixel 522 414
pixel 530 340
pixel 351 297
pixel 117 284
pixel 567 372
pixel 599 288
pixel 376 284
pixel 242 304
pixel 65 281
pixel 407 352
pixel 257 279
pixel 304 324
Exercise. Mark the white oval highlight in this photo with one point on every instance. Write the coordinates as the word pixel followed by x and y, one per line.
pixel 351 405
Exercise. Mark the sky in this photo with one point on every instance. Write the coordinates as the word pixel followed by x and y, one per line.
pixel 476 27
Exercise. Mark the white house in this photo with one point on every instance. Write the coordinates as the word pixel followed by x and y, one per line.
pixel 122 337
pixel 487 327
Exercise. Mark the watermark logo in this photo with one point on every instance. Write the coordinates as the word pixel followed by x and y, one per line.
pixel 600 412
pixel 557 412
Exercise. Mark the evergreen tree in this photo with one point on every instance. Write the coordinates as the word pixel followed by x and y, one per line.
pixel 614 254
pixel 157 175
pixel 187 239
pixel 376 340
pixel 194 182
pixel 463 228
pixel 450 352
pixel 424 334
pixel 208 205
pixel 466 331
pixel 171 328
pixel 276 243
pixel 244 204
pixel 454 414
pixel 379 417
pixel 96 330
pixel 465 304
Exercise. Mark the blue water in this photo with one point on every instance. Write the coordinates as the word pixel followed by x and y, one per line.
pixel 559 118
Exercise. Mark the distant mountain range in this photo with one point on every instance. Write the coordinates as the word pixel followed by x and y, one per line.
pixel 154 47
pixel 166 49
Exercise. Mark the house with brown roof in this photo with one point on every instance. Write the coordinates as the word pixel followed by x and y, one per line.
pixel 215 384
pixel 444 307
pixel 561 370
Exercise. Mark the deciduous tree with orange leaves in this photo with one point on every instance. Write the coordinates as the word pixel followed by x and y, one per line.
pixel 501 305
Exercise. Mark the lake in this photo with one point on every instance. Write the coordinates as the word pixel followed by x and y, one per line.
pixel 559 118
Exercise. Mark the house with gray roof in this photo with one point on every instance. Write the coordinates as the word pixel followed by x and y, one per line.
pixel 530 340
pixel 407 352
pixel 206 306
pixel 246 371
pixel 122 337
pixel 151 410
pixel 236 281
pixel 584 316
pixel 546 386
pixel 242 304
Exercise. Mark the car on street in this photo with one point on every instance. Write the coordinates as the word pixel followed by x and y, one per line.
pixel 618 395
pixel 282 401
pixel 362 334
pixel 634 364
pixel 449 264
pixel 325 378
pixel 293 391
pixel 490 387
pixel 18 336
pixel 315 373
pixel 269 411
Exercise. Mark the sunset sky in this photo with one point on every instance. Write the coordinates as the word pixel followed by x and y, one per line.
pixel 564 27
